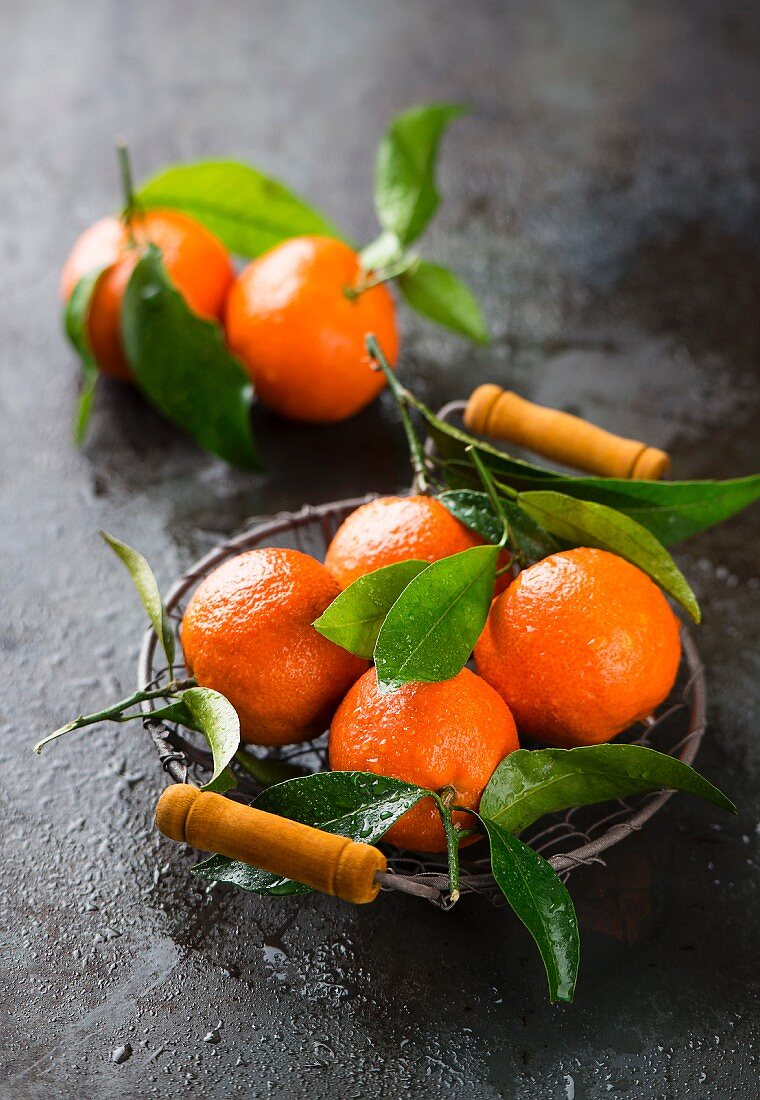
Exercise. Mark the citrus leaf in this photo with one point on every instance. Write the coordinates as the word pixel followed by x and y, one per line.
pixel 354 618
pixel 216 718
pixel 405 192
pixel 540 900
pixel 474 510
pixel 353 804
pixel 248 211
pixel 149 593
pixel 585 523
pixel 75 317
pixel 671 510
pixel 439 295
pixel 431 629
pixel 224 782
pixel 183 367
pixel 382 252
pixel 529 784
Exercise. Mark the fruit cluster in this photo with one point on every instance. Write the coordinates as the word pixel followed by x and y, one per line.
pixel 556 596
pixel 577 648
pixel 152 296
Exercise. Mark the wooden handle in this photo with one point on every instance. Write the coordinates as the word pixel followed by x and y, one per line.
pixel 561 437
pixel 333 864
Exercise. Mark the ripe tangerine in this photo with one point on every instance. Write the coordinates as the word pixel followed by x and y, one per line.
pixel 197 263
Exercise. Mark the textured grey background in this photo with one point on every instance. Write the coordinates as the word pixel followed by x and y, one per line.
pixel 602 198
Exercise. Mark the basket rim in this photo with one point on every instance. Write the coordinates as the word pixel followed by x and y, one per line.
pixel 430 885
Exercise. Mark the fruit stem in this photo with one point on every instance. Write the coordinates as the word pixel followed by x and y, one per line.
pixel 127 186
pixel 402 397
pixel 369 280
pixel 443 800
pixel 115 713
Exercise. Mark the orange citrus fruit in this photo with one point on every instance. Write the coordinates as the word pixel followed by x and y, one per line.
pixel 301 337
pixel 393 529
pixel 580 646
pixel 197 263
pixel 450 734
pixel 247 633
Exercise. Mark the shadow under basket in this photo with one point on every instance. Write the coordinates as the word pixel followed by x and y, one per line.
pixel 568 840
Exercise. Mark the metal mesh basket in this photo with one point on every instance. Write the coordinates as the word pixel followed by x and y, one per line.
pixel 568 840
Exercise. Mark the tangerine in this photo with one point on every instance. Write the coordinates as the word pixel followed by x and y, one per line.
pixel 301 336
pixel 196 261
pixel 247 633
pixel 448 734
pixel 580 646
pixel 392 529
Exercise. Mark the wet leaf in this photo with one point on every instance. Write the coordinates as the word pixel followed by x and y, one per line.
pixel 540 900
pixel 353 804
pixel 474 510
pixel 183 367
pixel 75 317
pixel 148 591
pixel 584 523
pixel 529 784
pixel 225 781
pixel 248 211
pixel 670 510
pixel 354 618
pixel 218 721
pixel 405 192
pixel 437 293
pixel 431 629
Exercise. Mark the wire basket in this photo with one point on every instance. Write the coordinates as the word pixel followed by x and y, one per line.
pixel 568 840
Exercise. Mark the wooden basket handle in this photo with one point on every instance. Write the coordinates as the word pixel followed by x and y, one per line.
pixel 560 436
pixel 333 864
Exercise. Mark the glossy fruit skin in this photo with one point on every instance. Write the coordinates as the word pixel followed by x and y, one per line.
pixel 452 733
pixel 580 646
pixel 196 261
pixel 393 529
pixel 299 336
pixel 247 633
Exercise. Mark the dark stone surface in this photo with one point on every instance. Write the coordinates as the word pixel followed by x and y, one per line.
pixel 602 198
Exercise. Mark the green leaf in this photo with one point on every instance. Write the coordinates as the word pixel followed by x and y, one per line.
pixel 218 721
pixel 75 317
pixel 224 782
pixel 183 367
pixel 354 618
pixel 529 784
pixel 405 192
pixel 354 804
pixel 431 629
pixel 671 510
pixel 266 770
pixel 247 210
pixel 585 523
pixel 473 508
pixel 540 900
pixel 149 593
pixel 384 251
pixel 439 295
